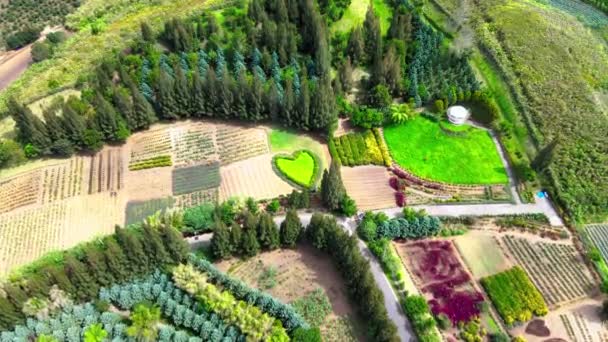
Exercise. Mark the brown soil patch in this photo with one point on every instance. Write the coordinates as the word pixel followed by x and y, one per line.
pixel 13 65
pixel 538 328
pixel 253 177
pixel 298 272
pixel 368 186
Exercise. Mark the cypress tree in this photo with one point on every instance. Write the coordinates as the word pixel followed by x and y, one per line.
pixel 106 119
pixel 60 278
pixel 332 189
pixel 303 106
pixel 133 249
pixel 373 36
pixel 210 92
pixel 38 285
pixel 74 125
pixel 220 242
pixel 249 243
pixel 167 103
pixel 53 124
pixel 346 75
pixel 240 95
pixel 84 285
pixel 154 246
pixel 315 231
pixel 254 100
pixel 30 129
pixel 355 47
pixel 96 263
pixel 116 260
pixel 268 232
pixel 291 229
pixel 197 96
pixel 236 236
pixel 143 113
pixel 175 245
pixel 323 106
pixel 289 104
pixel 123 105
pixel 181 93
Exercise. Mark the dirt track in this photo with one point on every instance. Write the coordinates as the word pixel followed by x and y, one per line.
pixel 13 64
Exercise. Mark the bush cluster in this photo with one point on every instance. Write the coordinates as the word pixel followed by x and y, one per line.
pixel 359 149
pixel 413 228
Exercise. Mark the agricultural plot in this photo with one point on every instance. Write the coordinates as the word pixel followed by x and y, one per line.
pixel 297 273
pixel 556 269
pixel 106 171
pixel 29 234
pixel 423 148
pixel 194 144
pixel 196 198
pixel 482 254
pixel 19 191
pixel 195 178
pixel 598 233
pixel 137 211
pixel 236 143
pixel 361 148
pixel 586 13
pixel 62 181
pixel 442 278
pixel 253 177
pixel 368 186
pixel 302 168
pixel 149 145
pixel 288 142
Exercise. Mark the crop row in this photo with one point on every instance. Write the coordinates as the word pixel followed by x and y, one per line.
pixel 62 181
pixel 554 268
pixel 151 145
pixel 19 191
pixel 599 236
pixel 159 161
pixel 196 178
pixel 193 146
pixel 359 149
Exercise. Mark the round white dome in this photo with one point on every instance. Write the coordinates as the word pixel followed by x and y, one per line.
pixel 458 115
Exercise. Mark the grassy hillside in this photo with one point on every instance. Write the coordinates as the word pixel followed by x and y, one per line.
pixel 119 23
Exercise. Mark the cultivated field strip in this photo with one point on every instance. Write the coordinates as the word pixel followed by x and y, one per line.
pixel 556 269
pixel 151 144
pixel 19 191
pixel 194 144
pixel 579 330
pixel 62 181
pixel 369 186
pixel 598 233
pixel 106 171
pixel 236 143
pixel 31 233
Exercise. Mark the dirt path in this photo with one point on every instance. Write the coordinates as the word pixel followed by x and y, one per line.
pixel 15 63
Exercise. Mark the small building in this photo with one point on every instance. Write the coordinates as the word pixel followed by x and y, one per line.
pixel 458 115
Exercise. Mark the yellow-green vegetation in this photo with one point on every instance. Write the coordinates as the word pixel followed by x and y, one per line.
pixel 423 148
pixel 118 23
pixel 481 253
pixel 38 106
pixel 291 141
pixel 555 65
pixel 159 161
pixel 355 15
pixel 360 149
pixel 514 296
pixel 301 169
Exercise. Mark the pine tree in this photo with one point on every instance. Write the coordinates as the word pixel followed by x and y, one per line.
pixel 53 124
pixel 181 93
pixel 167 103
pixel 220 63
pixel 236 236
pixel 124 106
pixel 84 285
pixel 105 119
pixel 291 229
pixel 175 245
pixel 355 47
pixel 303 106
pixel 116 260
pixel 332 188
pixel 197 96
pixel 30 129
pixel 220 242
pixel 60 278
pixel 98 267
pixel 289 104
pixel 203 66
pixel 249 243
pixel 238 64
pixel 154 246
pixel 323 106
pixel 254 100
pixel 268 232
pixel 133 249
pixel 74 125
pixel 38 285
pixel 240 94
pixel 143 113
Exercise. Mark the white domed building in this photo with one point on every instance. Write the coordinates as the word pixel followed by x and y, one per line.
pixel 458 115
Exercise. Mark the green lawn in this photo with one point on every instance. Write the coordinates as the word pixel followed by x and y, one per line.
pixel 355 15
pixel 300 168
pixel 421 147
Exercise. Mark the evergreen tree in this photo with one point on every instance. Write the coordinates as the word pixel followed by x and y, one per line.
pixel 355 47
pixel 143 113
pixel 175 245
pixel 220 242
pixel 545 155
pixel 74 125
pixel 345 75
pixel 332 188
pixel 197 96
pixel 84 285
pixel 238 64
pixel 236 236
pixel 315 231
pixel 96 263
pixel 203 66
pixel 303 106
pixel 106 121
pixel 167 104
pixel 288 108
pixel 268 232
pixel 239 95
pixel 60 278
pixel 181 93
pixel 9 315
pixel 30 129
pixel 116 260
pixel 146 33
pixel 393 77
pixel 124 106
pixel 250 221
pixel 154 247
pixel 254 100
pixel 249 243
pixel 291 228
pixel 373 35
pixel 323 106
pixel 38 285
pixel 133 249
pixel 54 125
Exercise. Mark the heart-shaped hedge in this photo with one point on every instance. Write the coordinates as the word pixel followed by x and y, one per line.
pixel 301 168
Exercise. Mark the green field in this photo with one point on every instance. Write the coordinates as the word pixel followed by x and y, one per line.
pixel 355 15
pixel 291 141
pixel 300 169
pixel 421 147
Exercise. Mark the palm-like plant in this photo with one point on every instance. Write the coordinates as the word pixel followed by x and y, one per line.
pixel 400 113
pixel 95 333
pixel 144 321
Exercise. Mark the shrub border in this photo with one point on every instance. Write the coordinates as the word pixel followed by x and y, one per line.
pixel 293 156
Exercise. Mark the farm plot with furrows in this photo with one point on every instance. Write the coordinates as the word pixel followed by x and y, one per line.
pixel 442 278
pixel 368 186
pixel 598 233
pixel 29 234
pixel 19 191
pixel 62 181
pixel 137 211
pixel 196 198
pixel 580 328
pixel 196 178
pixel 253 177
pixel 149 145
pixel 237 143
pixel 193 144
pixel 106 171
pixel 556 269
